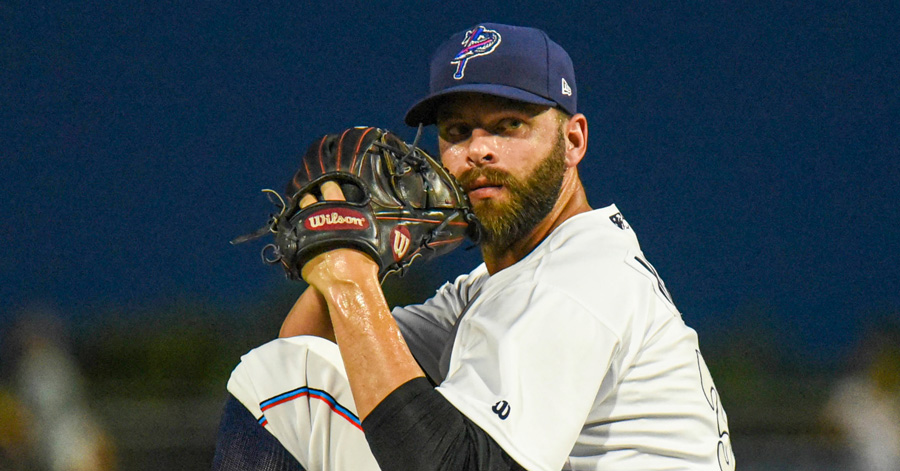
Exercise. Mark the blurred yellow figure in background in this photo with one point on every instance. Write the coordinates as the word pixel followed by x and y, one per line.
pixel 865 405
pixel 63 433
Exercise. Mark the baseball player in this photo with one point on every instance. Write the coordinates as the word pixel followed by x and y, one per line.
pixel 563 350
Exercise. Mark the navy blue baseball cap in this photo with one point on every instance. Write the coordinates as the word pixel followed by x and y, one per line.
pixel 514 62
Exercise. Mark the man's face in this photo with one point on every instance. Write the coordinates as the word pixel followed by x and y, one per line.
pixel 510 158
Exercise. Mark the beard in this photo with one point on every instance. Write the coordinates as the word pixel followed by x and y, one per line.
pixel 530 201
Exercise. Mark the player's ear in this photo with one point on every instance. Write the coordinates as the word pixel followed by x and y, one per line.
pixel 575 132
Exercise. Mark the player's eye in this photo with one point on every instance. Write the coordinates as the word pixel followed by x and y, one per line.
pixel 454 132
pixel 507 125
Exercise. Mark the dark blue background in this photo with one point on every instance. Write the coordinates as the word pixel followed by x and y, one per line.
pixel 754 148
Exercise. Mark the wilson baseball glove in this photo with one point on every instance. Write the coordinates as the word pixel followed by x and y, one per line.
pixel 401 204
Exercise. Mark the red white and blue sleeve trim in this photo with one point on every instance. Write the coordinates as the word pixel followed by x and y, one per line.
pixel 306 391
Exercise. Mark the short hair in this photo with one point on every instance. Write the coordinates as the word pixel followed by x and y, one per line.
pixel 562 116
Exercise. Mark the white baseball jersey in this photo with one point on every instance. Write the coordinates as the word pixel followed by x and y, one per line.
pixel 574 357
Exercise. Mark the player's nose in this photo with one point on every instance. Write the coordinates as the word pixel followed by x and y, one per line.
pixel 481 148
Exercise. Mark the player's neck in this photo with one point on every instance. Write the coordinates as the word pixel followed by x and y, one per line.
pixel 572 201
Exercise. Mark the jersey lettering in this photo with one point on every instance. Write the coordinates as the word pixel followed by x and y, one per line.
pixel 659 281
pixel 724 451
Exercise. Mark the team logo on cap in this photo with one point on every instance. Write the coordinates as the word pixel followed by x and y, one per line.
pixel 478 42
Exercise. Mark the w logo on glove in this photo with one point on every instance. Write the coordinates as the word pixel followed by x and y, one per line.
pixel 400 242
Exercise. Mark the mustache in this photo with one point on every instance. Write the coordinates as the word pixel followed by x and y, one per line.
pixel 491 176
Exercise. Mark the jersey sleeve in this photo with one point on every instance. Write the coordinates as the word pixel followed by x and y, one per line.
pixel 429 328
pixel 527 367
pixel 297 389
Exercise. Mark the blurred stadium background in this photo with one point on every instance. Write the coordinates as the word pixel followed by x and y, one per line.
pixel 752 146
pixel 146 390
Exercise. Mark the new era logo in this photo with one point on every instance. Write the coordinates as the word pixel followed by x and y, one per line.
pixel 566 89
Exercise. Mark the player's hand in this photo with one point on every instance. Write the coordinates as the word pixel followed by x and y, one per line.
pixel 342 264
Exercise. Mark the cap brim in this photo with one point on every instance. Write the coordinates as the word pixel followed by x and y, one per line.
pixel 425 111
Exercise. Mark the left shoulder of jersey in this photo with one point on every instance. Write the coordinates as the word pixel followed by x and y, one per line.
pixel 603 229
pixel 595 259
pixel 594 248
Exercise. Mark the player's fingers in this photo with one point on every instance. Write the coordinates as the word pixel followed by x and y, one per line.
pixel 332 191
pixel 307 200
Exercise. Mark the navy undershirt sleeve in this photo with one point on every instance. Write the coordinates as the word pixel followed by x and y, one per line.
pixel 244 445
pixel 415 427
